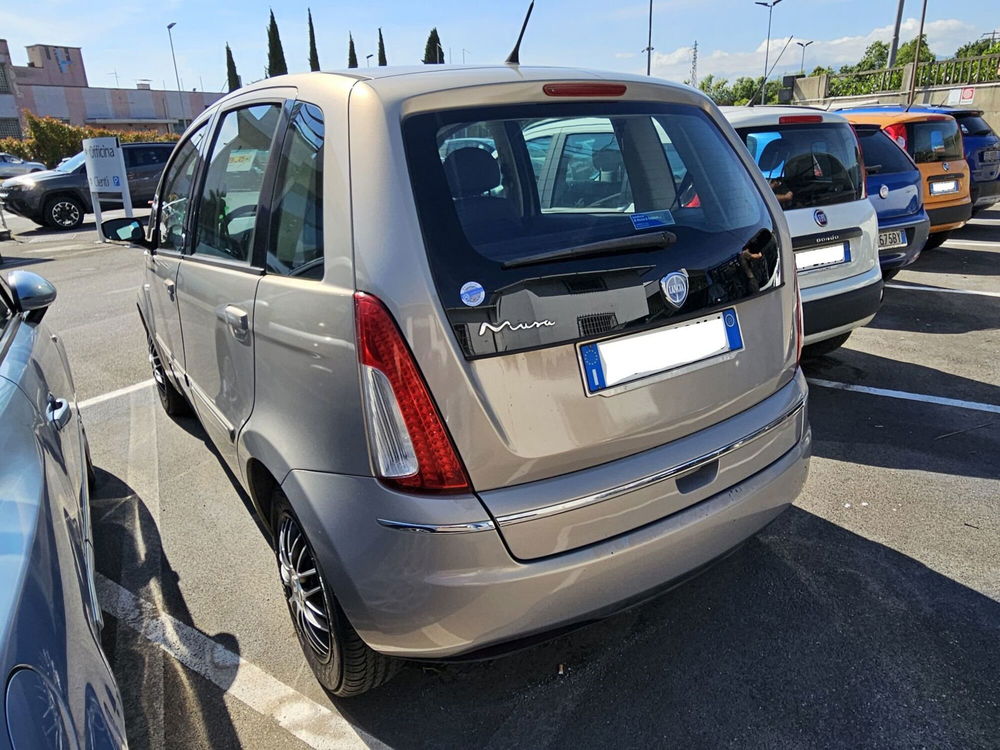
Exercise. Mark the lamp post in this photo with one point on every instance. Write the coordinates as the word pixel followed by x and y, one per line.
pixel 803 45
pixel 767 49
pixel 180 101
pixel 464 50
pixel 649 41
pixel 440 54
pixel 368 59
pixel 916 58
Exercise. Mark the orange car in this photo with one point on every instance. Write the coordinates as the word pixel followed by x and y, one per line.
pixel 935 143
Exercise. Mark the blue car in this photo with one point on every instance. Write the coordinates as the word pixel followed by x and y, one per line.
pixel 980 145
pixel 895 190
pixel 59 691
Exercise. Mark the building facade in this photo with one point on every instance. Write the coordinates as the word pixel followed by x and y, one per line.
pixel 54 84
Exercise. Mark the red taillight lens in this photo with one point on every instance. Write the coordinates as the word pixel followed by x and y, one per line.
pixel 584 89
pixel 412 447
pixel 799 119
pixel 897 131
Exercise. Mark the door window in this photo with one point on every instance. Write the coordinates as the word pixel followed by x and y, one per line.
pixel 175 196
pixel 296 246
pixel 6 312
pixel 227 213
pixel 591 173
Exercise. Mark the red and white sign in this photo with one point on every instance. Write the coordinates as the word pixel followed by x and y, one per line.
pixel 967 95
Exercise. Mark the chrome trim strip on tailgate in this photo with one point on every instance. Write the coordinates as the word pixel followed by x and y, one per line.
pixel 650 479
pixel 446 528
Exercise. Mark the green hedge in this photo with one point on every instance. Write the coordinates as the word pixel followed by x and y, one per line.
pixel 50 141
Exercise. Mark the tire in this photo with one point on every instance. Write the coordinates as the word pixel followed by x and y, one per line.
pixel 343 663
pixel 821 348
pixel 890 274
pixel 172 400
pixel 63 212
pixel 936 240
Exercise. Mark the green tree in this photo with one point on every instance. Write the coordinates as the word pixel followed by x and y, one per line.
pixel 352 56
pixel 276 65
pixel 717 89
pixel 908 50
pixel 433 51
pixel 231 76
pixel 974 49
pixel 381 49
pixel 313 54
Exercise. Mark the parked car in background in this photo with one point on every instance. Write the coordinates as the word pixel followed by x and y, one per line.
pixel 934 142
pixel 812 162
pixel 493 416
pixel 12 166
pixel 60 197
pixel 59 689
pixel 895 188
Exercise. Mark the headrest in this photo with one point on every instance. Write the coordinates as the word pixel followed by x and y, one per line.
pixel 607 159
pixel 774 154
pixel 471 171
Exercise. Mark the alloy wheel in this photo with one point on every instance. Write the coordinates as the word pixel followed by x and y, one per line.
pixel 65 213
pixel 157 366
pixel 304 590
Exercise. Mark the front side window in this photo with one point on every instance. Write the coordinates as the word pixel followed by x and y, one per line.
pixel 808 165
pixel 227 211
pixel 296 246
pixel 174 199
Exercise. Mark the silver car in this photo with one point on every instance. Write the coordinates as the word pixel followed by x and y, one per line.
pixel 470 417
pixel 13 166
pixel 58 688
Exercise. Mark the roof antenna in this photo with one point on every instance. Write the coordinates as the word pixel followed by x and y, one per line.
pixel 514 58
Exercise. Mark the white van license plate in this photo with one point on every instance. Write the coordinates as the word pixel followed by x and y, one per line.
pixel 821 257
pixel 889 240
pixel 607 364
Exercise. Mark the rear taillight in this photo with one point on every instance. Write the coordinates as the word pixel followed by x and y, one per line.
pixel 897 131
pixel 584 89
pixel 410 445
pixel 799 328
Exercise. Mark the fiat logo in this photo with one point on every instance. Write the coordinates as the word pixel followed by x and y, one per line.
pixel 946 166
pixel 675 288
pixel 883 192
pixel 820 217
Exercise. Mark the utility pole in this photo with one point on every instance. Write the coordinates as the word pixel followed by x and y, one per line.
pixel 916 58
pixel 464 50
pixel 694 64
pixel 895 35
pixel 649 43
pixel 767 49
pixel 803 45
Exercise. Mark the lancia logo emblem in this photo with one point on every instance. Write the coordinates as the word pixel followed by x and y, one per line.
pixel 883 192
pixel 820 216
pixel 946 166
pixel 675 288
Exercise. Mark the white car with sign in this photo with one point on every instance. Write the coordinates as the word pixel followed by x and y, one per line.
pixel 812 161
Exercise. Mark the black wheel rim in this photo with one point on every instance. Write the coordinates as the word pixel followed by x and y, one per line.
pixel 159 376
pixel 304 591
pixel 65 213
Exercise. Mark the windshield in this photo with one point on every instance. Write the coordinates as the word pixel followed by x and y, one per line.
pixel 935 140
pixel 807 165
pixel 973 125
pixel 72 163
pixel 882 155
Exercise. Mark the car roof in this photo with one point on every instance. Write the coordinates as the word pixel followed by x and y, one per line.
pixel 937 110
pixel 750 117
pixel 881 117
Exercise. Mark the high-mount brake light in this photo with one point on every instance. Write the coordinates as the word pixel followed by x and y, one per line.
pixel 799 119
pixel 584 89
pixel 410 443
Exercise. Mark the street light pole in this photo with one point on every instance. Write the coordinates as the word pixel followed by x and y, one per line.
pixel 767 49
pixel 803 45
pixel 464 50
pixel 177 76
pixel 368 59
pixel 440 54
pixel 916 58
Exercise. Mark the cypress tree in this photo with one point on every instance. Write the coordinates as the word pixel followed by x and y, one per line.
pixel 275 54
pixel 433 51
pixel 231 75
pixel 352 56
pixel 313 54
pixel 381 49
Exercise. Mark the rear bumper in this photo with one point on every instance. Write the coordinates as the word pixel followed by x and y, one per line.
pixel 949 217
pixel 916 237
pixel 835 308
pixel 985 193
pixel 442 595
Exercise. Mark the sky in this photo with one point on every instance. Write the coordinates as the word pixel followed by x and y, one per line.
pixel 129 37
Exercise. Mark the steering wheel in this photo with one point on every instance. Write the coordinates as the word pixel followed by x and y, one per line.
pixel 232 247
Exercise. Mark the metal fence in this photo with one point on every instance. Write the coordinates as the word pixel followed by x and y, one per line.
pixel 960 71
pixel 866 82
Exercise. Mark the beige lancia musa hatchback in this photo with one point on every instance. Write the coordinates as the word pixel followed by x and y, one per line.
pixel 496 351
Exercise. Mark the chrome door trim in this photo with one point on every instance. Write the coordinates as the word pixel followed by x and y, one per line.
pixel 213 410
pixel 447 528
pixel 650 479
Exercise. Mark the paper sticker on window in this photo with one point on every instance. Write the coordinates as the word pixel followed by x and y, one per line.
pixel 652 219
pixel 241 160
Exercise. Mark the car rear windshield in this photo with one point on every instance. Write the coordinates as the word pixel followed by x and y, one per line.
pixel 973 125
pixel 934 140
pixel 882 155
pixel 807 164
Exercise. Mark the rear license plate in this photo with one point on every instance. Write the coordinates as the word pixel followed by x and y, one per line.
pixel 607 364
pixel 889 240
pixel 942 187
pixel 821 257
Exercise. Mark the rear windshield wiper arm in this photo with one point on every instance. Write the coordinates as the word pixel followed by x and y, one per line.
pixel 652 241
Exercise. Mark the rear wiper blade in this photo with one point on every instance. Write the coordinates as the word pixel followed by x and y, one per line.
pixel 652 241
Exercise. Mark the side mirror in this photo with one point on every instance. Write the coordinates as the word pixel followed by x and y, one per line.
pixel 32 294
pixel 124 230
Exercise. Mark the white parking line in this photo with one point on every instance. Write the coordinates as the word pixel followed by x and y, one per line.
pixel 114 394
pixel 977 243
pixel 906 396
pixel 919 288
pixel 316 725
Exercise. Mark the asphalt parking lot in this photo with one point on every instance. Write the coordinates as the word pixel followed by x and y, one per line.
pixel 868 615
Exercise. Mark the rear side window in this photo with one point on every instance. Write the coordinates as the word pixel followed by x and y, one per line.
pixel 175 196
pixel 882 155
pixel 974 125
pixel 934 140
pixel 296 246
pixel 6 313
pixel 808 165
pixel 227 214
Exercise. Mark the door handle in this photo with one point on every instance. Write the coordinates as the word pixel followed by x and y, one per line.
pixel 239 322
pixel 58 412
pixel 171 286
